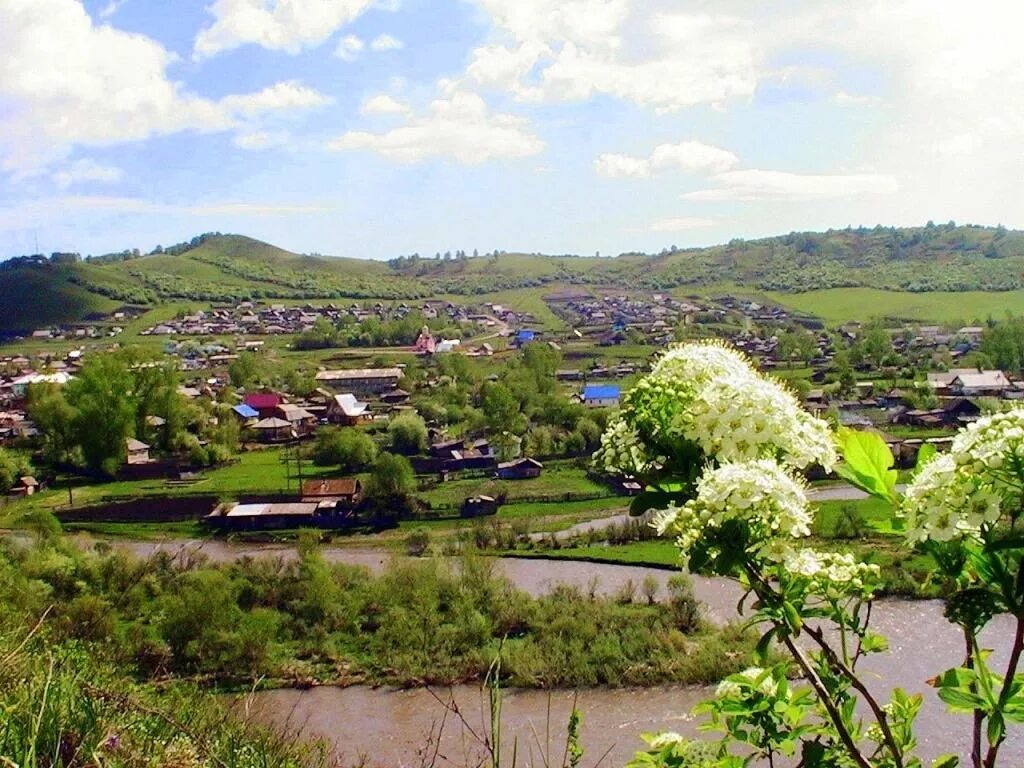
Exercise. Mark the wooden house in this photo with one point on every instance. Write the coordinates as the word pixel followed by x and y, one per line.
pixel 347 411
pixel 344 491
pixel 137 452
pixel 273 430
pixel 519 469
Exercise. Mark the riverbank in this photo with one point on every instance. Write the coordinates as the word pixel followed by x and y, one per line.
pixel 301 616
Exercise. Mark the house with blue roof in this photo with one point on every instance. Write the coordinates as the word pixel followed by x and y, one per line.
pixel 601 395
pixel 246 412
pixel 525 337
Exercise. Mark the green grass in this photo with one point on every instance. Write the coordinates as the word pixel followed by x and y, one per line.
pixel 262 471
pixel 37 298
pixel 658 554
pixel 555 479
pixel 841 305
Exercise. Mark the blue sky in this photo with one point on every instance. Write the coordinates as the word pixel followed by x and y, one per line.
pixel 374 128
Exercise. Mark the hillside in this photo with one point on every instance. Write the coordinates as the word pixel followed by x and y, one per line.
pixel 792 269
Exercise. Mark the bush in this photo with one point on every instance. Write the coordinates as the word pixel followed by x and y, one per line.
pixel 408 434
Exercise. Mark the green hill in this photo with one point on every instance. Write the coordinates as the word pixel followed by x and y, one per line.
pixel 795 269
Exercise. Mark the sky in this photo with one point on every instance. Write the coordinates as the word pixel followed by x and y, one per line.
pixel 373 128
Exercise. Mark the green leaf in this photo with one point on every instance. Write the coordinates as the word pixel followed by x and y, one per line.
pixel 764 645
pixel 946 761
pixel 961 701
pixel 925 454
pixel 867 463
pixel 996 728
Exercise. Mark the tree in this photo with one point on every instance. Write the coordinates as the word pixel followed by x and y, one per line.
pixel 408 434
pixel 501 409
pixel 104 415
pixel 11 468
pixel 391 483
pixel 54 417
pixel 877 344
pixel 244 371
pixel 351 449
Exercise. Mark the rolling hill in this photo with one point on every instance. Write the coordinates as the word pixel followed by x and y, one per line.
pixel 809 271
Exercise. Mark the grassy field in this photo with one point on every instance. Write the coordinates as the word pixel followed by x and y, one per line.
pixel 256 472
pixel 840 305
pixel 556 479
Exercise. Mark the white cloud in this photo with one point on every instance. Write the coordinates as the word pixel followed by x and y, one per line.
pixel 85 170
pixel 687 156
pixel 460 127
pixel 284 96
pixel 681 224
pixel 111 8
pixel 281 25
pixel 349 47
pixel 386 43
pixel 66 82
pixel 259 140
pixel 382 104
pixel 574 49
pixel 756 184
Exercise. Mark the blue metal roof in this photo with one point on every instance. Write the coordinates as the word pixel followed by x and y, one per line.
pixel 246 411
pixel 525 336
pixel 601 392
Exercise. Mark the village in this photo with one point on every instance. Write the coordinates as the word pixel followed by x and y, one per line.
pixel 906 382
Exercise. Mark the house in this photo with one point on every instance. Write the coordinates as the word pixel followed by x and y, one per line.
pixel 942 382
pixel 273 430
pixel 395 397
pixel 524 337
pixel 19 387
pixel 601 395
pixel 980 383
pixel 303 422
pixel 345 491
pixel 425 344
pixel 447 345
pixel 137 451
pixel 346 410
pixel 263 516
pixel 520 469
pixel 361 381
pixel 25 486
pixel 569 374
pixel 245 413
pixel 264 403
pixel 478 506
pixel 953 413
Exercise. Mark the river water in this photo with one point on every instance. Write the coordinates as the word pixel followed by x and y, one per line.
pixel 393 727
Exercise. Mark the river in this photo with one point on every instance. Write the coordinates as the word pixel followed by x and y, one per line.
pixel 389 726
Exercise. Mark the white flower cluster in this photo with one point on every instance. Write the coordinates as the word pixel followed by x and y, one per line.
pixel 710 395
pixel 993 444
pixel 752 678
pixel 830 572
pixel 623 452
pixel 948 500
pixel 762 493
pixel 691 753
